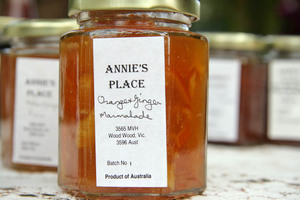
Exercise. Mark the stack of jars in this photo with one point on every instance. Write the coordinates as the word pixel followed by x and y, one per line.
pixel 133 95
pixel 132 92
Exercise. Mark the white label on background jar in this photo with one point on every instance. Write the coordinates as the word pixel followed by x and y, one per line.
pixel 284 100
pixel 130 112
pixel 224 99
pixel 35 138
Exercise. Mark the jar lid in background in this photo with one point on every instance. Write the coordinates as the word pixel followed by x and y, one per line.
pixel 4 20
pixel 187 7
pixel 40 27
pixel 235 41
pixel 284 42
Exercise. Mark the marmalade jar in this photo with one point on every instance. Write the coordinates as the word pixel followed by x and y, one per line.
pixel 284 90
pixel 4 43
pixel 133 100
pixel 237 89
pixel 29 94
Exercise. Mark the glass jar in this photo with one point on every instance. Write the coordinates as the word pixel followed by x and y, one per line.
pixel 29 94
pixel 284 90
pixel 4 44
pixel 237 89
pixel 133 101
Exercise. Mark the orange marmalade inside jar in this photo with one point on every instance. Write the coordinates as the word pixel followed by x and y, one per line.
pixel 29 94
pixel 185 84
pixel 8 90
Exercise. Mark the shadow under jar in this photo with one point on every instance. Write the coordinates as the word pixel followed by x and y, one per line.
pixel 133 101
pixel 29 94
pixel 237 89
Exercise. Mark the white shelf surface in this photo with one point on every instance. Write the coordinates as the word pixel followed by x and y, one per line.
pixel 233 173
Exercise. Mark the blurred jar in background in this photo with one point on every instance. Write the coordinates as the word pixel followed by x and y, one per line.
pixel 284 90
pixel 29 94
pixel 237 89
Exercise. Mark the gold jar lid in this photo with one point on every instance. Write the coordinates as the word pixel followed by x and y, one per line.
pixel 4 21
pixel 285 42
pixel 187 7
pixel 40 27
pixel 235 41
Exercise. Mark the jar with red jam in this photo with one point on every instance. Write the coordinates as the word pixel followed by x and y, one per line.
pixel 29 94
pixel 237 89
pixel 133 100
pixel 284 90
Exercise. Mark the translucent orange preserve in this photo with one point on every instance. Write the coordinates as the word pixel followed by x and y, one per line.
pixel 8 80
pixel 186 73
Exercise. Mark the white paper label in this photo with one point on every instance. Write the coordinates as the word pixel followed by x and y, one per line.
pixel 35 138
pixel 130 112
pixel 284 100
pixel 224 99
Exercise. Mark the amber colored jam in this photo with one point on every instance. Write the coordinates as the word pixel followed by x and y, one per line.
pixel 186 74
pixel 8 71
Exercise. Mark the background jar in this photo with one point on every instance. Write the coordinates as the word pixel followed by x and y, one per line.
pixel 151 43
pixel 284 90
pixel 29 94
pixel 4 41
pixel 237 89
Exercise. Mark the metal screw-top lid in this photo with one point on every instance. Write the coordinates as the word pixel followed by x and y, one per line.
pixel 235 41
pixel 187 7
pixel 4 21
pixel 285 42
pixel 40 27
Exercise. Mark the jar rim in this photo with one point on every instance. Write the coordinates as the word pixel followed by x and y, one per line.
pixel 187 7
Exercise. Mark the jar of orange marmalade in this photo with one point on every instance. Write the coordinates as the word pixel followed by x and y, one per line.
pixel 284 90
pixel 4 44
pixel 29 94
pixel 237 89
pixel 133 100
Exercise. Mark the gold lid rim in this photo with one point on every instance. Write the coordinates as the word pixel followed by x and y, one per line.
pixel 187 7
pixel 5 20
pixel 284 42
pixel 40 27
pixel 235 41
